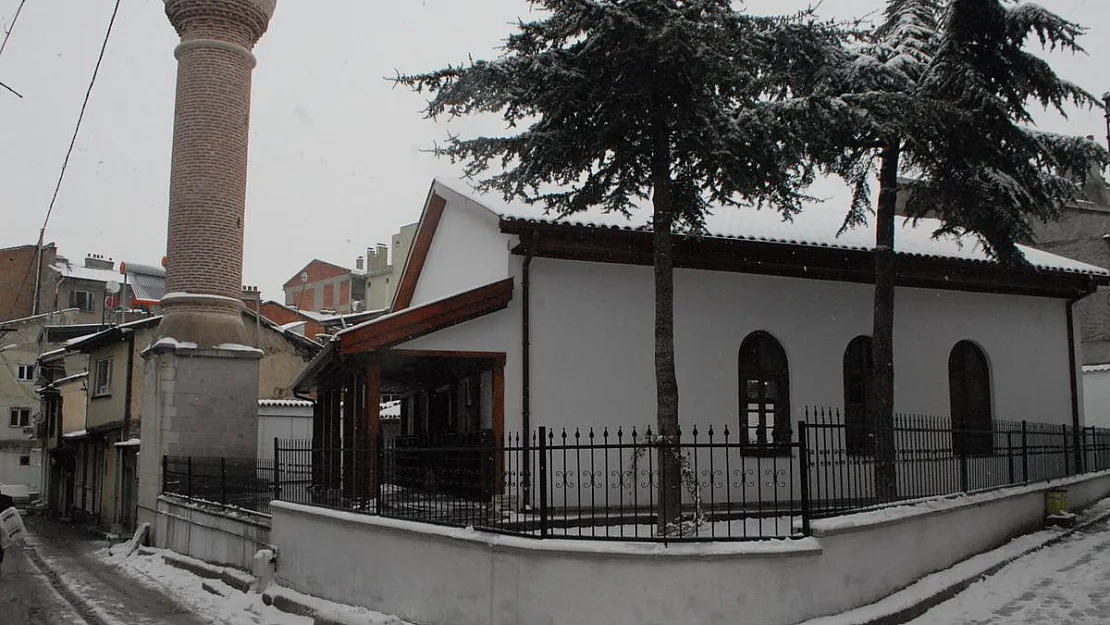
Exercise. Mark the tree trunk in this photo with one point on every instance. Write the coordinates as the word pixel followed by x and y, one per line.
pixel 666 384
pixel 881 400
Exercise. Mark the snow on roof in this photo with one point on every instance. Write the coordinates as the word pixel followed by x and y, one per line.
pixel 77 434
pixel 69 378
pixel 80 272
pixel 816 226
pixel 1096 368
pixel 284 403
pixel 52 354
pixel 131 442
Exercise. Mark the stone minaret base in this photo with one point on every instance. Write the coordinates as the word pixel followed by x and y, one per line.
pixel 197 402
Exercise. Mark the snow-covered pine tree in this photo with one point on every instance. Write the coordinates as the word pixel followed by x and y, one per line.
pixel 941 89
pixel 625 100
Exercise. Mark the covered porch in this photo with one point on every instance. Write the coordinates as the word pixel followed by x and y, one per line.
pixel 451 405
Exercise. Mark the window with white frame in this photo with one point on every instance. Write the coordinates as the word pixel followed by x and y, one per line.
pixel 19 417
pixel 26 373
pixel 82 300
pixel 102 377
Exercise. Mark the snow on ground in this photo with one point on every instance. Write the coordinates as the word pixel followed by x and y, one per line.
pixel 216 601
pixel 1066 583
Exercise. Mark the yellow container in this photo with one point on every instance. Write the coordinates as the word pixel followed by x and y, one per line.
pixel 1055 502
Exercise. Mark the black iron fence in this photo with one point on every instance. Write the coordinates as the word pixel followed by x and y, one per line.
pixel 931 457
pixel 247 483
pixel 628 483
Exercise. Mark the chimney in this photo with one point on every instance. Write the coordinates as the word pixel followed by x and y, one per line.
pixel 376 257
pixel 252 297
pixel 97 261
pixel 358 263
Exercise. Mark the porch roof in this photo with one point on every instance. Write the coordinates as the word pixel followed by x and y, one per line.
pixel 404 325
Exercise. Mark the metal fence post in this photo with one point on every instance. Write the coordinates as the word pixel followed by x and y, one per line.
pixel 378 470
pixel 1010 454
pixel 1024 451
pixel 223 480
pixel 543 481
pixel 1064 435
pixel 189 477
pixel 803 467
pixel 165 472
pixel 964 486
pixel 274 473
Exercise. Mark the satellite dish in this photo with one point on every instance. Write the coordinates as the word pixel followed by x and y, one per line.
pixel 112 286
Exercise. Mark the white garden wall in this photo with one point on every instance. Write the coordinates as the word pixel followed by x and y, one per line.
pixel 210 533
pixel 444 576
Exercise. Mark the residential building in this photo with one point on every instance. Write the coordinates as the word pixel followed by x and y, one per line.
pixel 101 292
pixel 770 318
pixel 325 287
pixel 21 342
pixel 105 449
pixel 18 285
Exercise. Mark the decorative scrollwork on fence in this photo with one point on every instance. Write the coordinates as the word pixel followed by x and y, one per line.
pixel 591 479
pixel 774 477
pixel 622 479
pixel 712 478
pixel 745 478
pixel 564 479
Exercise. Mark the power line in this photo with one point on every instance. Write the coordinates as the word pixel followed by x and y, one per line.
pixel 69 153
pixel 80 116
pixel 8 33
pixel 4 43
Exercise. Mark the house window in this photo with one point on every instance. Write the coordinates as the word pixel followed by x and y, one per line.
pixel 82 300
pixel 859 431
pixel 19 417
pixel 764 390
pixel 102 378
pixel 969 391
pixel 25 461
pixel 26 373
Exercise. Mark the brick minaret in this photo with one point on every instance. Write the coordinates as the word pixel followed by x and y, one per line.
pixel 208 175
pixel 201 393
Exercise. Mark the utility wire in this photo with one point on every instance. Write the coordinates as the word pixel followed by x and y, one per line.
pixel 80 117
pixel 4 43
pixel 69 153
pixel 11 27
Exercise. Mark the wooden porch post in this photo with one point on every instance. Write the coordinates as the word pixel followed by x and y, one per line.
pixel 499 443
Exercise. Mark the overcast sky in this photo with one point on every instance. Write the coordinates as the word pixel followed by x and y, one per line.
pixel 336 152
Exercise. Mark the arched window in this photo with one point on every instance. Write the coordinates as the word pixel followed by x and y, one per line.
pixel 969 391
pixel 859 434
pixel 764 390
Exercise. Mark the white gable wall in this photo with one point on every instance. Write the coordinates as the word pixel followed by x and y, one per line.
pixel 467 251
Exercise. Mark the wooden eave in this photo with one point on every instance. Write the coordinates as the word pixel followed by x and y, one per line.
pixel 614 245
pixel 412 323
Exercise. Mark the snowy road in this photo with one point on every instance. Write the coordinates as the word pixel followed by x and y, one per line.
pixel 27 597
pixel 56 580
pixel 1065 583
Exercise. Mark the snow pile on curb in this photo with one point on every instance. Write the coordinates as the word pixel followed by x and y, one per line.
pixel 219 602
